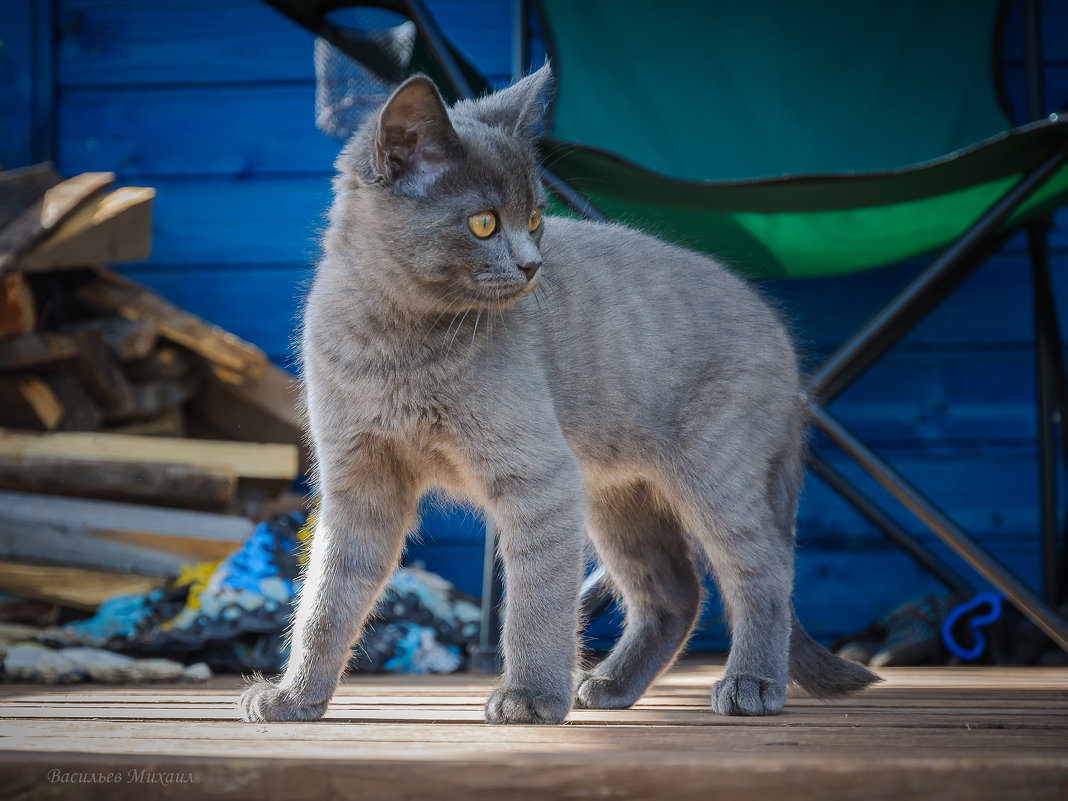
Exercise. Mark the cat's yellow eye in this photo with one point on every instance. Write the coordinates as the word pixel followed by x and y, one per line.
pixel 535 220
pixel 482 224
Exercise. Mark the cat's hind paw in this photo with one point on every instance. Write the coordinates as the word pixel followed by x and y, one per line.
pixel 266 702
pixel 747 695
pixel 520 705
pixel 601 692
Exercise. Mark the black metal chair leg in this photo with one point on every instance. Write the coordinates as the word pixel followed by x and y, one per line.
pixel 487 659
pixel 1046 332
pixel 895 533
pixel 967 548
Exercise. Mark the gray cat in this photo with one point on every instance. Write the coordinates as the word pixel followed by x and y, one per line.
pixel 568 377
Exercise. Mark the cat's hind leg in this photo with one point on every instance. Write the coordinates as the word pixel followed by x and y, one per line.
pixel 648 558
pixel 750 548
pixel 356 544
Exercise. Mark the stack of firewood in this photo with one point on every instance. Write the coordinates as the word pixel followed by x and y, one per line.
pixel 161 429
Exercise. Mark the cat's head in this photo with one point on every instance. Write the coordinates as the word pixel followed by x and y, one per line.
pixel 453 194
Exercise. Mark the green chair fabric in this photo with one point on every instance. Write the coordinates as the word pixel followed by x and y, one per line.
pixel 791 139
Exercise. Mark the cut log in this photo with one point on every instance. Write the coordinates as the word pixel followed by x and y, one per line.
pixel 99 374
pixel 21 188
pixel 151 399
pixel 263 409
pixel 129 340
pixel 71 586
pixel 231 357
pixel 17 314
pixel 28 402
pixel 34 349
pixel 116 536
pixel 37 221
pixel 80 411
pixel 244 459
pixel 188 550
pixel 169 423
pixel 156 483
pixel 167 363
pixel 73 544
pixel 108 228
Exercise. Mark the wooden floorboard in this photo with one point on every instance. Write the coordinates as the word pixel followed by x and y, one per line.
pixel 938 733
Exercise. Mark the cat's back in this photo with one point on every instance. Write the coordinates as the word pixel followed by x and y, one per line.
pixel 609 276
pixel 654 337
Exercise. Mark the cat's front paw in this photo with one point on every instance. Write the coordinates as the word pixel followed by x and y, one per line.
pixel 520 705
pixel 741 694
pixel 266 702
pixel 601 692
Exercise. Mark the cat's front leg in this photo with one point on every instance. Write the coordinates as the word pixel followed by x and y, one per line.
pixel 538 511
pixel 356 544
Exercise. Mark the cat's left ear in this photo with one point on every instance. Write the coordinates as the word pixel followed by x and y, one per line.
pixel 415 139
pixel 521 108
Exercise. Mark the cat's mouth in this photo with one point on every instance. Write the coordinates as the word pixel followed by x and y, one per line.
pixel 499 290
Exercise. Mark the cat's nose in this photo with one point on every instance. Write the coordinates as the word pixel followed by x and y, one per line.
pixel 529 268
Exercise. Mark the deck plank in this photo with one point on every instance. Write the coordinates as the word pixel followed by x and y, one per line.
pixel 924 733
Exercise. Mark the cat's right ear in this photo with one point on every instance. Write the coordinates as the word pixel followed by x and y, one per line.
pixel 415 139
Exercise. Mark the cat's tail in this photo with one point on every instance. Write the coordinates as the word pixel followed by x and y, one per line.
pixel 819 672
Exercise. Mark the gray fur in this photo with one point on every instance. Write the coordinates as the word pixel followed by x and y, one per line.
pixel 631 389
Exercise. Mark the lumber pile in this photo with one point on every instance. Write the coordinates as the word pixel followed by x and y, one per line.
pixel 134 436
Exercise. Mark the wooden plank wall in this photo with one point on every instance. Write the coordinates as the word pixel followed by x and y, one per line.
pixel 211 101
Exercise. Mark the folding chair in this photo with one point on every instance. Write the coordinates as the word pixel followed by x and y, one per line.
pixel 808 139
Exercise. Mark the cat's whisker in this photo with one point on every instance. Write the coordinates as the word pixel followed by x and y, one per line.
pixel 500 307
pixel 452 322
pixel 477 318
pixel 436 321
pixel 456 333
pixel 429 309
pixel 450 293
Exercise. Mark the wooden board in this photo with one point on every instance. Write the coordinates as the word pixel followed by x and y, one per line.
pixel 34 349
pixel 98 372
pixel 159 484
pixel 924 734
pixel 28 402
pixel 249 460
pixel 20 188
pixel 108 228
pixel 70 586
pixel 50 543
pixel 118 537
pixel 263 409
pixel 128 339
pixel 31 508
pixel 80 411
pixel 36 222
pixel 231 356
pixel 109 42
pixel 170 423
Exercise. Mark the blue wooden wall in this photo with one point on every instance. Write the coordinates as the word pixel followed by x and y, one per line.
pixel 211 101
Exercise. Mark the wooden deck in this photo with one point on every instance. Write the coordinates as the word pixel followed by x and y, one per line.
pixel 943 733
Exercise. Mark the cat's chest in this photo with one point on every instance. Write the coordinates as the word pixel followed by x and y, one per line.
pixel 411 400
